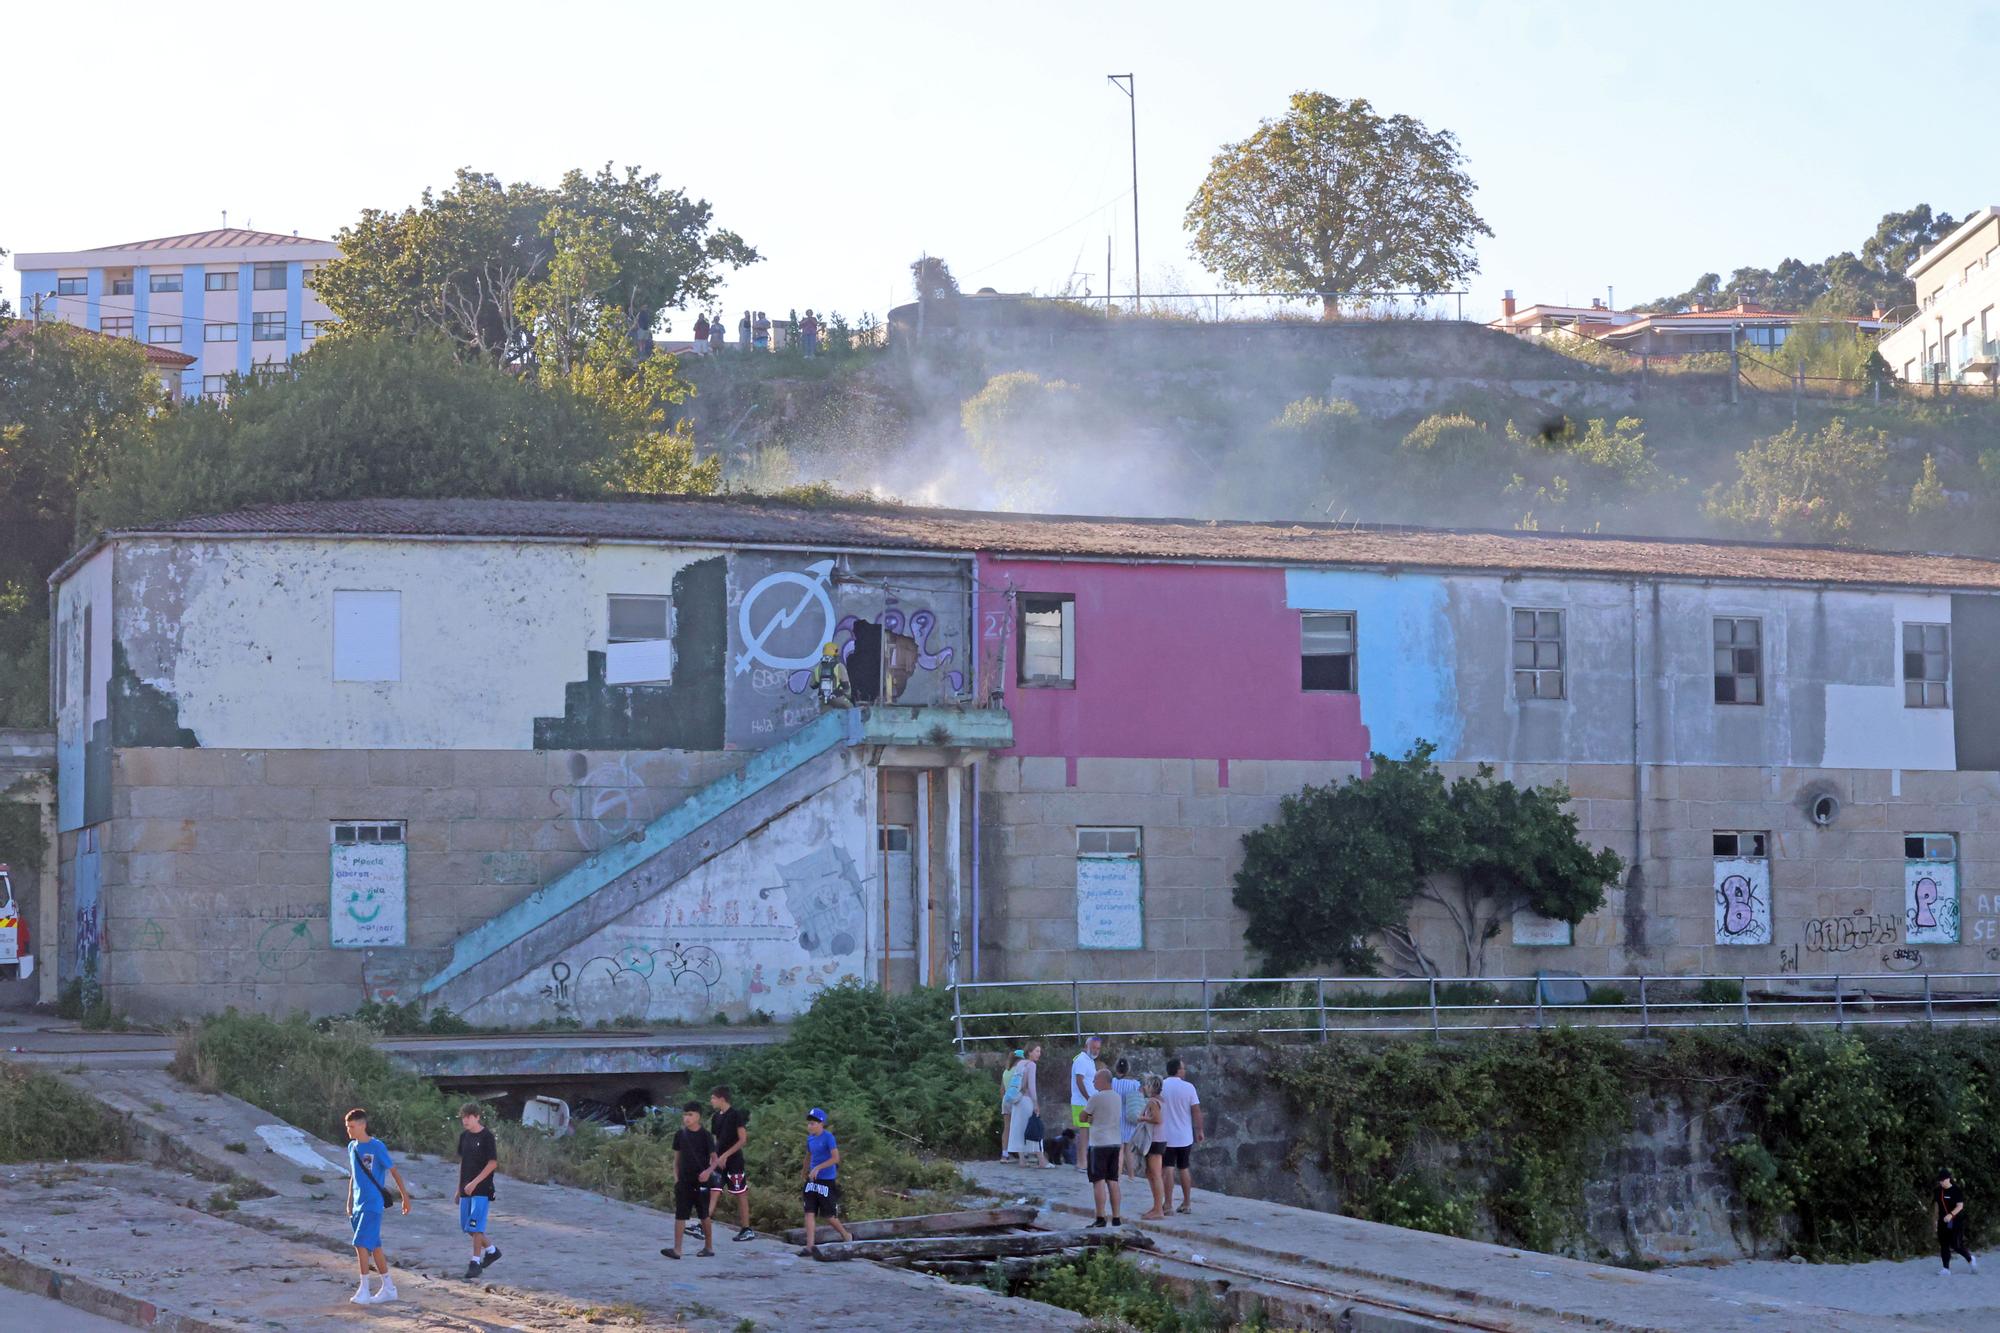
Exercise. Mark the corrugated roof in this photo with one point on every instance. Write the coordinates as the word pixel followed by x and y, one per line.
pixel 219 237
pixel 735 520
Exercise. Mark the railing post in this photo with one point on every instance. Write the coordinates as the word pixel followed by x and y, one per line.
pixel 1839 1008
pixel 1645 1014
pixel 1320 985
pixel 1929 1017
pixel 1434 1009
pixel 1538 1002
pixel 958 1020
pixel 1207 1016
pixel 1076 1007
pixel 1743 995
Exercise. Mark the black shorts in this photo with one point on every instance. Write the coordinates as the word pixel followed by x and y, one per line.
pixel 1171 1159
pixel 691 1199
pixel 1103 1163
pixel 822 1197
pixel 733 1179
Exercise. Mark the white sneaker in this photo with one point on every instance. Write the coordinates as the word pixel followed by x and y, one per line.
pixel 1944 1272
pixel 1974 1261
pixel 384 1296
pixel 361 1294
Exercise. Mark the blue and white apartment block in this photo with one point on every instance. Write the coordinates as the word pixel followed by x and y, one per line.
pixel 233 299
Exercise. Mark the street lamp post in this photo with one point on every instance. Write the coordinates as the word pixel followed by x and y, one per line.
pixel 1126 84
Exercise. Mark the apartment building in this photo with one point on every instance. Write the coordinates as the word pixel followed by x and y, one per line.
pixel 232 299
pixel 1952 336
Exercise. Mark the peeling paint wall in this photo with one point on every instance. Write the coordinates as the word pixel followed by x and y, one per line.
pixel 83 640
pixel 766 925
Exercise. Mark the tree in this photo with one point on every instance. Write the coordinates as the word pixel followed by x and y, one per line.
pixel 1840 284
pixel 461 263
pixel 932 278
pixel 1335 199
pixel 1828 485
pixel 1342 866
pixel 1024 428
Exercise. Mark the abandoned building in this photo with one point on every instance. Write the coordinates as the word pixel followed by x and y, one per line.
pixel 566 759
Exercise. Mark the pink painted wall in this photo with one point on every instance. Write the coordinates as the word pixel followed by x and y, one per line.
pixel 1172 662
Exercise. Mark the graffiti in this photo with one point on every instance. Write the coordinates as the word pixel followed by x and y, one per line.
pixel 87 942
pixel 149 935
pixel 556 990
pixel 291 912
pixel 1849 934
pixel 622 983
pixel 920 626
pixel 605 804
pixel 284 946
pixel 825 897
pixel 1902 960
pixel 1742 901
pixel 1788 959
pixel 1930 902
pixel 779 616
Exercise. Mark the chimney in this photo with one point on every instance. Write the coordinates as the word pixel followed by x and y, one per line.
pixel 1596 304
pixel 1507 304
pixel 1876 313
pixel 1700 309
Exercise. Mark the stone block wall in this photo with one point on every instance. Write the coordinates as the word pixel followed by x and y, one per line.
pixel 1837 899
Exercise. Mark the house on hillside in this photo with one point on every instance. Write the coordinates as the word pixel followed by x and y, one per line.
pixel 1746 325
pixel 539 760
pixel 1542 322
pixel 233 301
pixel 1952 334
pixel 168 366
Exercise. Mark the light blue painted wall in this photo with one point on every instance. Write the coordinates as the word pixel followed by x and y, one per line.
pixel 194 327
pixel 1406 649
pixel 294 307
pixel 141 304
pixel 245 277
pixel 93 297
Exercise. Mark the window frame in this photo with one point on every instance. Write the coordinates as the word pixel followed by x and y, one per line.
pixel 155 335
pixel 359 829
pixel 310 329
pixel 1065 609
pixel 219 280
pixel 1136 852
pixel 1761 849
pixel 116 326
pixel 220 331
pixel 1353 653
pixel 1733 646
pixel 164 282
pixel 1926 683
pixel 1536 671
pixel 259 272
pixel 1924 841
pixel 267 326
pixel 72 286
pixel 214 386
pixel 122 287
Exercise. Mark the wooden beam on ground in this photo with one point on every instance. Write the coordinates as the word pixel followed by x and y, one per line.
pixel 929 1224
pixel 916 1249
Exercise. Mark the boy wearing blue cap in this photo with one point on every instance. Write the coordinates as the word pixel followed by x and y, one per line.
pixel 822 1192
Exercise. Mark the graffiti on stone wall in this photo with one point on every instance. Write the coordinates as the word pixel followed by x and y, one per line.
pixel 824 894
pixel 1742 900
pixel 777 602
pixel 605 803
pixel 87 942
pixel 1930 902
pixel 624 983
pixel 285 946
pixel 1902 960
pixel 920 626
pixel 1858 930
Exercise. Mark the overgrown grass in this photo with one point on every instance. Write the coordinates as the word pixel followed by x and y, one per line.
pixel 1115 1293
pixel 43 1119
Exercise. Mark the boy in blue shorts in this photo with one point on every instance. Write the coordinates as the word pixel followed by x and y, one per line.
pixel 367 1162
pixel 478 1163
pixel 822 1193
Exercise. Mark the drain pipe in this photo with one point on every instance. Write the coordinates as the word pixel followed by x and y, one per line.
pixel 1636 882
pixel 974 653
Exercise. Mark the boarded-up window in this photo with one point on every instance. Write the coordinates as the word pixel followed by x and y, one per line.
pixel 1739 660
pixel 367 635
pixel 1048 640
pixel 1930 888
pixel 1742 887
pixel 1326 651
pixel 1110 912
pixel 639 648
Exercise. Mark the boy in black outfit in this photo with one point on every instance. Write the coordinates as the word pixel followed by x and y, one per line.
pixel 478 1160
pixel 732 1132
pixel 694 1166
pixel 1951 1223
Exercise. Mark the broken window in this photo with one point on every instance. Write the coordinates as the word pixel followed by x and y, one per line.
pixel 1538 654
pixel 638 639
pixel 1048 640
pixel 347 831
pixel 367 635
pixel 1326 650
pixel 1739 660
pixel 1927 666
pixel 1930 846
pixel 1732 843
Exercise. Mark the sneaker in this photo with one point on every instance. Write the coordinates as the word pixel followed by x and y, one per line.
pixel 473 1270
pixel 1974 1261
pixel 385 1295
pixel 698 1231
pixel 746 1234
pixel 1944 1272
pixel 1117 1221
pixel 361 1295
pixel 1098 1223
pixel 490 1258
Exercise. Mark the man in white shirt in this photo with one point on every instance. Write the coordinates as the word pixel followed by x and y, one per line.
pixel 1082 1083
pixel 1180 1130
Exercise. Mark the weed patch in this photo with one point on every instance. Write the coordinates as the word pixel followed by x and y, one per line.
pixel 43 1119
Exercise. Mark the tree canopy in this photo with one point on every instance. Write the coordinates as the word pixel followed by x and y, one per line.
pixel 1840 284
pixel 517 272
pixel 1333 198
pixel 1342 866
pixel 1825 485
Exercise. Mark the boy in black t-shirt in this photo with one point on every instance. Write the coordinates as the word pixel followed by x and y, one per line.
pixel 1951 1223
pixel 478 1162
pixel 732 1133
pixel 694 1167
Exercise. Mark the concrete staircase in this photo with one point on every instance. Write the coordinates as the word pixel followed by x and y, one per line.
pixel 597 892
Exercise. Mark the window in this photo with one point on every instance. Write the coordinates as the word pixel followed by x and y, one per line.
pixel 1326 651
pixel 1107 842
pixel 214 386
pixel 893 838
pixel 1109 889
pixel 1927 666
pixel 1048 640
pixel 307 272
pixel 1930 888
pixel 349 831
pixel 1733 843
pixel 367 636
pixel 1538 654
pixel 121 286
pixel 1739 660
pixel 163 282
pixel 267 278
pixel 267 326
pixel 1930 846
pixel 116 326
pixel 265 371
pixel 163 333
pixel 310 329
pixel 70 286
pixel 219 280
pixel 639 630
pixel 218 333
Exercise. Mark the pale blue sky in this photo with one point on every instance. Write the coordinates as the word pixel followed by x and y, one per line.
pixel 1634 145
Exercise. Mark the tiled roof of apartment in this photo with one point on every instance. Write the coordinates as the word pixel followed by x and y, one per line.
pixel 219 237
pixel 738 520
pixel 155 355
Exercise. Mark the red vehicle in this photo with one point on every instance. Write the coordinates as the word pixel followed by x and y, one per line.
pixel 15 954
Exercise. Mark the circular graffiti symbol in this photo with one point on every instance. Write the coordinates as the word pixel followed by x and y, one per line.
pixel 792 595
pixel 284 945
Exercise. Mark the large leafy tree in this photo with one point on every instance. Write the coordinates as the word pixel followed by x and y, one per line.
pixel 1333 198
pixel 494 267
pixel 1840 284
pixel 1343 865
pixel 1825 485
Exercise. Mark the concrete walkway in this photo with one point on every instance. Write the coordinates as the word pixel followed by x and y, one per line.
pixel 283 1261
pixel 1455 1282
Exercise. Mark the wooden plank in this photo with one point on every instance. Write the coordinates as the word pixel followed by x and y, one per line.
pixel 929 1224
pixel 982 1247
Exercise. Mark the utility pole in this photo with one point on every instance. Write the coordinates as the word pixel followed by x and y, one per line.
pixel 1128 87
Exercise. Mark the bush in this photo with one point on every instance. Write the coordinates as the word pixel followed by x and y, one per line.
pixel 1105 1287
pixel 43 1119
pixel 1718 990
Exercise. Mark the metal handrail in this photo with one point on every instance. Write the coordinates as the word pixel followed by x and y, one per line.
pixel 1329 1006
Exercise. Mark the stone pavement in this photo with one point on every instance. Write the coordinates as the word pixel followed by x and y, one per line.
pixel 1373 1267
pixel 1910 1289
pixel 20 1310
pixel 283 1261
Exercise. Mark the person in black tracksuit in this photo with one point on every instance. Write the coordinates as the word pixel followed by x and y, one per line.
pixel 1951 1223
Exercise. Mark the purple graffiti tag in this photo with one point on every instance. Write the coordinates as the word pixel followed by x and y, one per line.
pixel 1927 898
pixel 1738 905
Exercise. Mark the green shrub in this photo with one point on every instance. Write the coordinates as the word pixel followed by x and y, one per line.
pixel 1719 990
pixel 43 1119
pixel 1105 1287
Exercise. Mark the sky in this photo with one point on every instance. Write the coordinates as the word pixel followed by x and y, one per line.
pixel 1628 147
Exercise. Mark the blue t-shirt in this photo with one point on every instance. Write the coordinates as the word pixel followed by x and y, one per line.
pixel 819 1147
pixel 367 1162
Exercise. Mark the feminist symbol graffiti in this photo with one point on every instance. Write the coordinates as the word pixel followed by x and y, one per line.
pixel 813 583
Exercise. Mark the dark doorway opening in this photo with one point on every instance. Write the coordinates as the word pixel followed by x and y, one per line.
pixel 864 664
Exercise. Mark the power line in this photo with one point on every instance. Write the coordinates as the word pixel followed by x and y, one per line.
pixel 1077 222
